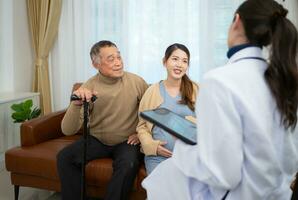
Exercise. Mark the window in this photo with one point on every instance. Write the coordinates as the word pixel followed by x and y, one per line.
pixel 142 30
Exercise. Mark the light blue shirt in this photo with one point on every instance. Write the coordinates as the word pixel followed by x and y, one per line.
pixel 242 146
pixel 171 103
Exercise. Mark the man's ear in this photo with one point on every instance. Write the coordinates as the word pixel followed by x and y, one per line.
pixel 96 65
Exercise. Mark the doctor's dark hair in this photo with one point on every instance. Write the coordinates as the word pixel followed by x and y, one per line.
pixel 186 87
pixel 265 23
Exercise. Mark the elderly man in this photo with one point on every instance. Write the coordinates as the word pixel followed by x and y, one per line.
pixel 113 121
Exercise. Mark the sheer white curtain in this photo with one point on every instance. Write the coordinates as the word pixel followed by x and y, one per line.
pixel 156 26
pixel 219 15
pixel 70 61
pixel 215 19
pixel 142 30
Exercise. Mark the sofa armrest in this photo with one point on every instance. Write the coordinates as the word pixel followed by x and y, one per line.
pixel 42 128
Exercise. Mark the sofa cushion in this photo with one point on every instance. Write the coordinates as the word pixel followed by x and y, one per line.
pixel 37 160
pixel 40 160
pixel 99 171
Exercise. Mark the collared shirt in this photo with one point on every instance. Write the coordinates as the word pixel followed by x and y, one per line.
pixel 237 48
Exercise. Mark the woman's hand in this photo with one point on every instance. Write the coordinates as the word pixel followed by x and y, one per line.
pixel 162 151
pixel 133 139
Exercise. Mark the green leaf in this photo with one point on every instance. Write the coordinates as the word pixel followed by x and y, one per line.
pixel 27 104
pixel 17 107
pixel 19 116
pixel 27 113
pixel 35 113
pixel 24 112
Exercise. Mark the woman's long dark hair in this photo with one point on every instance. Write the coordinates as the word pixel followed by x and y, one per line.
pixel 265 23
pixel 186 87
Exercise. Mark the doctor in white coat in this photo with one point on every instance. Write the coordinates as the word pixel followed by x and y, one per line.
pixel 247 118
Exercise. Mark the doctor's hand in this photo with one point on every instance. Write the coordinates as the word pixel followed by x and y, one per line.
pixel 162 151
pixel 133 139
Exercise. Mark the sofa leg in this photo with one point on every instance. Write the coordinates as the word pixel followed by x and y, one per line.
pixel 16 192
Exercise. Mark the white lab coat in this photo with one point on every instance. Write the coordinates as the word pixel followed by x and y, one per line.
pixel 242 146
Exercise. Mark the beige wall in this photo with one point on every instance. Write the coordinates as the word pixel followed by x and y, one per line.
pixel 16 55
pixel 23 52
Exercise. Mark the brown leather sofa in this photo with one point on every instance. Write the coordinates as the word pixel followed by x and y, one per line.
pixel 33 164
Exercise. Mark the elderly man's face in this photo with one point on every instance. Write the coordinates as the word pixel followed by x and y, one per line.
pixel 109 62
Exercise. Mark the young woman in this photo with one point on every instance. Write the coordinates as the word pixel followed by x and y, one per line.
pixel 247 128
pixel 178 94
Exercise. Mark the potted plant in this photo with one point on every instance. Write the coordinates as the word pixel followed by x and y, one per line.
pixel 23 111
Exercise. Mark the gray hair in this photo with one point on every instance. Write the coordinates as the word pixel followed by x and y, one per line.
pixel 95 50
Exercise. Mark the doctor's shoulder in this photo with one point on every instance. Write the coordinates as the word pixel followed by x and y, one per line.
pixel 221 73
